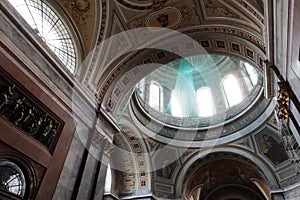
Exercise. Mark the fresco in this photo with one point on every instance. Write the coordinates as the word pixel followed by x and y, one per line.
pixel 271 146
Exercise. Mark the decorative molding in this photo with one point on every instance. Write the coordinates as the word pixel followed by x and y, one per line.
pixel 166 17
pixel 251 10
pixel 96 52
pixel 231 31
pixel 220 11
pixel 135 6
pixel 246 143
pixel 103 20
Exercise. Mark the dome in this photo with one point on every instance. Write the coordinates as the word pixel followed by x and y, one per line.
pixel 208 88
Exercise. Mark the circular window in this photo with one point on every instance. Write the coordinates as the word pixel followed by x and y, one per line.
pixel 50 28
pixel 12 178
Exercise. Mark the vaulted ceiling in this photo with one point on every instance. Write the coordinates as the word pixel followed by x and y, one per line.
pixel 124 40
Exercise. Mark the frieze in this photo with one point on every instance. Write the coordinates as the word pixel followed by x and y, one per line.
pixel 208 133
pixel 26 115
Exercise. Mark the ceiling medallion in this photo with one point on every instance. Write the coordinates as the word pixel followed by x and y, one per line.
pixel 164 18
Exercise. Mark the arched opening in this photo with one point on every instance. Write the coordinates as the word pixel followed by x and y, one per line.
pixel 232 90
pixel 225 176
pixel 206 105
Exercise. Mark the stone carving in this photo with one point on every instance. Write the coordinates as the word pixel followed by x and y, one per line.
pixel 24 114
pixel 283 99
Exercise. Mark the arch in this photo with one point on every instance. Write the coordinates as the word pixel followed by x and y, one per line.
pixel 133 150
pixel 206 104
pixel 259 163
pixel 234 192
pixel 146 156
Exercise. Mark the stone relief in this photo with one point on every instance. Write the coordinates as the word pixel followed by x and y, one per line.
pixel 27 116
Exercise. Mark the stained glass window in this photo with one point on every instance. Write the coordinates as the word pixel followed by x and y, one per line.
pixel 49 27
pixel 12 178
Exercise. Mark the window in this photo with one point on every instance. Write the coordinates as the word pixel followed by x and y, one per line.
pixel 155 96
pixel 108 179
pixel 252 73
pixel 12 178
pixel 205 102
pixel 176 109
pixel 233 94
pixel 141 88
pixel 49 27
